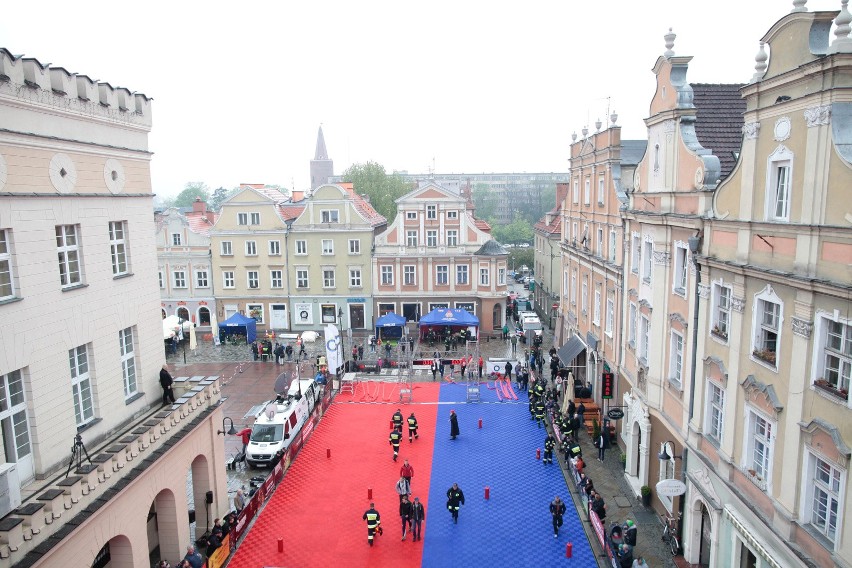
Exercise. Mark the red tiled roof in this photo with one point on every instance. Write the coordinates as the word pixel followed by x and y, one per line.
pixel 272 193
pixel 289 211
pixel 198 222
pixel 481 225
pixel 363 206
pixel 554 227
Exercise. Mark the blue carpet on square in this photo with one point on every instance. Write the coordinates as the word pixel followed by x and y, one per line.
pixel 514 526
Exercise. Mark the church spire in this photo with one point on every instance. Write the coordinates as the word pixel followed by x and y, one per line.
pixel 321 153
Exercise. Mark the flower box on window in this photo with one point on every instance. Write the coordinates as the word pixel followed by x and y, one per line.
pixel 830 388
pixel 719 333
pixel 765 355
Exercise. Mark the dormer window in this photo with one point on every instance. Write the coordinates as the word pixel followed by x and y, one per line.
pixel 329 216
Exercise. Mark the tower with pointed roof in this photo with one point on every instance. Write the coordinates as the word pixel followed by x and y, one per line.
pixel 322 168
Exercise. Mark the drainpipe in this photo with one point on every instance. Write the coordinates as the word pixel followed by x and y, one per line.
pixel 694 247
pixel 287 272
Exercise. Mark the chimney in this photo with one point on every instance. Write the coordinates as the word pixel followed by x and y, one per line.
pixel 199 206
pixel 561 192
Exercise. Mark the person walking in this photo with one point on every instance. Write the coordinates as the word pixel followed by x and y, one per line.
pixel 434 368
pixel 600 444
pixel 418 515
pixel 245 435
pixel 557 509
pixel 455 498
pixel 397 419
pixel 374 521
pixel 480 363
pixel 193 557
pixel 505 331
pixel 239 501
pixel 407 472
pixel 514 343
pixel 549 444
pixel 507 370
pixel 463 364
pixel 394 439
pixel 454 425
pixel 539 410
pixel 166 382
pixel 441 369
pixel 630 531
pixel 405 514
pixel 412 427
pixel 403 488
pixel 360 352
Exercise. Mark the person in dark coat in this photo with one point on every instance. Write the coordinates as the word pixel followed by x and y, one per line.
pixel 394 439
pixel 405 512
pixel 374 521
pixel 557 509
pixel 397 419
pixel 166 382
pixel 454 424
pixel 549 444
pixel 455 498
pixel 418 515
pixel 508 370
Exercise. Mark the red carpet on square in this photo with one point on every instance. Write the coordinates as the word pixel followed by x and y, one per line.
pixel 317 508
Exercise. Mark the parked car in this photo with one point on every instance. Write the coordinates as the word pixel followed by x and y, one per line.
pixel 526 281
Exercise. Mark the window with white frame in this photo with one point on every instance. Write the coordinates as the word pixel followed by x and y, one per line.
pixel 81 385
pixel 647 255
pixel 610 314
pixel 128 361
pixel 600 247
pixel 256 312
pixel 13 415
pixel 721 309
pixel 680 269
pixel 601 187
pixel 354 277
pixel 201 278
pixel 408 275
pixel 452 214
pixel 759 440
pixel 836 361
pixel 501 276
pixel 484 277
pixel 676 358
pixel 715 412
pixel 225 248
pixel 328 278
pixel 228 278
pixel 574 232
pixel 411 238
pixel 301 247
pixel 242 218
pixel 255 218
pixel 302 278
pixel 587 192
pixel 117 247
pixel 176 239
pixel 452 238
pixel 442 277
pixel 178 279
pixel 387 275
pixel 824 484
pixel 576 192
pixel 329 216
pixel 778 188
pixel 162 280
pixel 585 297
pixel 431 238
pixel 645 347
pixel 462 274
pixel 7 281
pixel 252 279
pixel 354 246
pixel 635 253
pixel 68 248
pixel 574 288
pixel 327 246
pixel 612 242
pixel 767 327
pixel 431 211
pixel 251 248
pixel 276 278
pixel 631 330
pixel 596 312
pixel 274 248
pixel 411 215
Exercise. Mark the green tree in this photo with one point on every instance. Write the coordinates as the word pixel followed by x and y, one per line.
pixel 192 190
pixel 220 195
pixel 370 179
pixel 519 257
pixel 485 200
pixel 518 231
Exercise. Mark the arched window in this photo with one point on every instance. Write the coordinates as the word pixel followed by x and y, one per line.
pixel 203 316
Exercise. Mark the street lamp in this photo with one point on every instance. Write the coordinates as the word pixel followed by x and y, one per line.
pixel 180 322
pixel 231 431
pixel 664 455
pixel 340 331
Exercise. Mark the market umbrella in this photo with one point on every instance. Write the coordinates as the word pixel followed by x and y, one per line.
pixel 214 327
pixel 193 343
pixel 170 326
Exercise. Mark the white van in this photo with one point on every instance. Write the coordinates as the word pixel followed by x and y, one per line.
pixel 279 421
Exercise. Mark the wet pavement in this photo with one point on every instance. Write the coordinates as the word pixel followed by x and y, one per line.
pixel 249 383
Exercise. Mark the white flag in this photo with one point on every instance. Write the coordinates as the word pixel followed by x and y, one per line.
pixel 333 348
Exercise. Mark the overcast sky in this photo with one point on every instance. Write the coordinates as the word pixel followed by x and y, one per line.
pixel 468 86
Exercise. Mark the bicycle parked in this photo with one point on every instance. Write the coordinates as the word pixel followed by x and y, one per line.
pixel 670 534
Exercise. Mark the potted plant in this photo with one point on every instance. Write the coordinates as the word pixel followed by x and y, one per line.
pixel 646 495
pixel 596 429
pixel 765 355
pixel 623 459
pixel 719 333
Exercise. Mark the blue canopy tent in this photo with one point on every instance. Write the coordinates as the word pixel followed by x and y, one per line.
pixel 238 324
pixel 390 325
pixel 454 318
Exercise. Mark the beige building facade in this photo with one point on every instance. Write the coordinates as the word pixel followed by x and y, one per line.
pixel 81 343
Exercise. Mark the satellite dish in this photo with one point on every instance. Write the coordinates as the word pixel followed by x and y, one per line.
pixel 282 383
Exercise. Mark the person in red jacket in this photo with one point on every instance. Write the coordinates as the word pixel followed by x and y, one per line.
pixel 245 434
pixel 406 471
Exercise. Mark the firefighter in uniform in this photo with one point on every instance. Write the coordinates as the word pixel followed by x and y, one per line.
pixel 455 497
pixel 549 444
pixel 412 427
pixel 394 440
pixel 539 410
pixel 532 403
pixel 574 448
pixel 373 521
pixel 397 419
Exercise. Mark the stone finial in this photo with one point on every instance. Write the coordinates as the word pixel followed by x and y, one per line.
pixel 669 37
pixel 613 117
pixel 585 131
pixel 598 125
pixel 799 6
pixel 759 64
pixel 573 137
pixel 842 42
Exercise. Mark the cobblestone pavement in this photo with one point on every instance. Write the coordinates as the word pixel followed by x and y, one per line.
pixel 251 383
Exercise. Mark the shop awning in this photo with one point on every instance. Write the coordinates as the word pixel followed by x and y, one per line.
pixel 570 350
